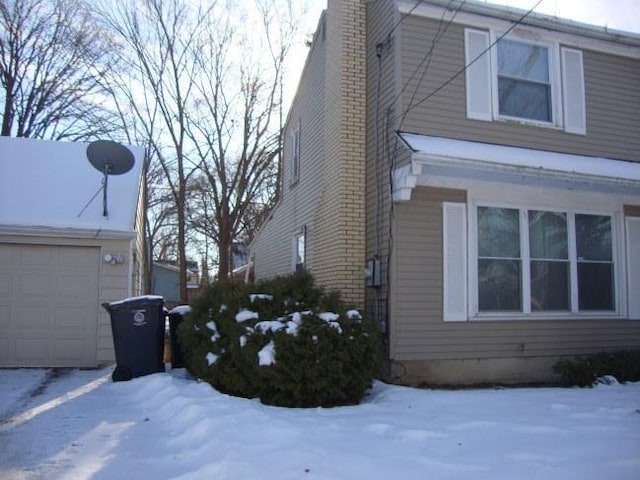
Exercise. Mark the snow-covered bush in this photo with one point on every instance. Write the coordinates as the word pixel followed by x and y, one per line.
pixel 284 340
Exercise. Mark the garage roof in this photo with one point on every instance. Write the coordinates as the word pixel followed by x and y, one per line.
pixel 52 184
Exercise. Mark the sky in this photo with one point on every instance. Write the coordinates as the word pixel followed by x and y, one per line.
pixel 78 424
pixel 614 14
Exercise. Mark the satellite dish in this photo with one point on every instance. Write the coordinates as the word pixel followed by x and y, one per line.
pixel 110 158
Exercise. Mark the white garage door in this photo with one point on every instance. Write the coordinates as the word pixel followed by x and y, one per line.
pixel 48 305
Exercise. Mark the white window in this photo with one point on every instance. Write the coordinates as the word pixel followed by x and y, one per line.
pixel 299 250
pixel 295 155
pixel 532 261
pixel 515 79
pixel 524 81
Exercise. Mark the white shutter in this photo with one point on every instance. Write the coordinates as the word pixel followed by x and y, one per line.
pixel 478 74
pixel 574 110
pixel 633 267
pixel 454 253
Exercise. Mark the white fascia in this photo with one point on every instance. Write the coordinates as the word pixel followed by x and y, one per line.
pixel 60 232
pixel 443 157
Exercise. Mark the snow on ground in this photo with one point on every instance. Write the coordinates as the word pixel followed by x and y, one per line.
pixel 75 424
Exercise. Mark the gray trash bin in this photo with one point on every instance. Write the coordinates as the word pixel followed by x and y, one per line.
pixel 137 324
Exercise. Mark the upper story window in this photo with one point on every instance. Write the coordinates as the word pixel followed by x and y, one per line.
pixel 515 79
pixel 294 155
pixel 524 81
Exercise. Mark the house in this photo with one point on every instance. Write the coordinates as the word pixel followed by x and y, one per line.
pixel 469 175
pixel 60 255
pixel 165 281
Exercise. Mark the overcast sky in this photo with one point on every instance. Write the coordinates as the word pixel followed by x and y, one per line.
pixel 617 14
pixel 614 14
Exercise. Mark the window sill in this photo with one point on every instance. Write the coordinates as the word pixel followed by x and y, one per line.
pixel 551 316
pixel 529 123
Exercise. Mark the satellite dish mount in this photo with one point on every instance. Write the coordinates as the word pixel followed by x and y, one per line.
pixel 109 158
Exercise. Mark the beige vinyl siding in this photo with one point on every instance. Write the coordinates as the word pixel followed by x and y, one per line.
pixel 419 332
pixel 612 86
pixel 273 245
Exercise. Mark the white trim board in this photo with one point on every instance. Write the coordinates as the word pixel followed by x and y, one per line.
pixel 474 161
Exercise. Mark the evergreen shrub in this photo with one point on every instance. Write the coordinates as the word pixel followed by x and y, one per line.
pixel 284 340
pixel 584 371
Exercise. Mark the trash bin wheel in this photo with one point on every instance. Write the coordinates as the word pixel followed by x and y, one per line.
pixel 121 374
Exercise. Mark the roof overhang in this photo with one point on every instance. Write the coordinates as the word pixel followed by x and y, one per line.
pixel 461 159
pixel 41 231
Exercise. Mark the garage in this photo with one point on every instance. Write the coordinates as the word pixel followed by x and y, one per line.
pixel 48 305
pixel 68 243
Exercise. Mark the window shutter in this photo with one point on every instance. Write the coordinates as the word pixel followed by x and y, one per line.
pixel 575 117
pixel 633 267
pixel 478 74
pixel 454 253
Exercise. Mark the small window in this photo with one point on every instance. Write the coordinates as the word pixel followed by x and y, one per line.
pixel 299 251
pixel 295 155
pixel 524 85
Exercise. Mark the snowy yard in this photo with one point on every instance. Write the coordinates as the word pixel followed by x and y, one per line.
pixel 81 425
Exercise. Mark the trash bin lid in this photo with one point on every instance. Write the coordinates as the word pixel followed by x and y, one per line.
pixel 180 310
pixel 143 300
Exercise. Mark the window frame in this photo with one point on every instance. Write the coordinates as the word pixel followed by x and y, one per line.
pixel 294 155
pixel 555 79
pixel 527 312
pixel 567 76
pixel 300 235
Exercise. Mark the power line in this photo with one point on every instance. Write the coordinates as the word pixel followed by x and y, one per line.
pixel 464 69
pixel 428 56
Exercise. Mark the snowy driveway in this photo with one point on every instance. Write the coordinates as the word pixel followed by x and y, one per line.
pixel 75 424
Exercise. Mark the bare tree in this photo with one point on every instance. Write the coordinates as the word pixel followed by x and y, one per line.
pixel 236 124
pixel 206 87
pixel 51 56
pixel 156 80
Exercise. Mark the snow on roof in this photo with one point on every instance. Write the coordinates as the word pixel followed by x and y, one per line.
pixel 48 184
pixel 497 156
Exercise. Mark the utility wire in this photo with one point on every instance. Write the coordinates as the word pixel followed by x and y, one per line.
pixel 428 56
pixel 464 69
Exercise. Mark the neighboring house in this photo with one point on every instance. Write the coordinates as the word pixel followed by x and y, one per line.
pixel 165 281
pixel 60 257
pixel 480 165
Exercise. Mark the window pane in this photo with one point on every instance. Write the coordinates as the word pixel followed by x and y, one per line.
pixel 518 98
pixel 522 60
pixel 300 253
pixel 595 286
pixel 524 86
pixel 549 286
pixel 548 235
pixel 593 237
pixel 499 285
pixel 498 232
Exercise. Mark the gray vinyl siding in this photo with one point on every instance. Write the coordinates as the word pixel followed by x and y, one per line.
pixel 612 86
pixel 273 245
pixel 419 332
